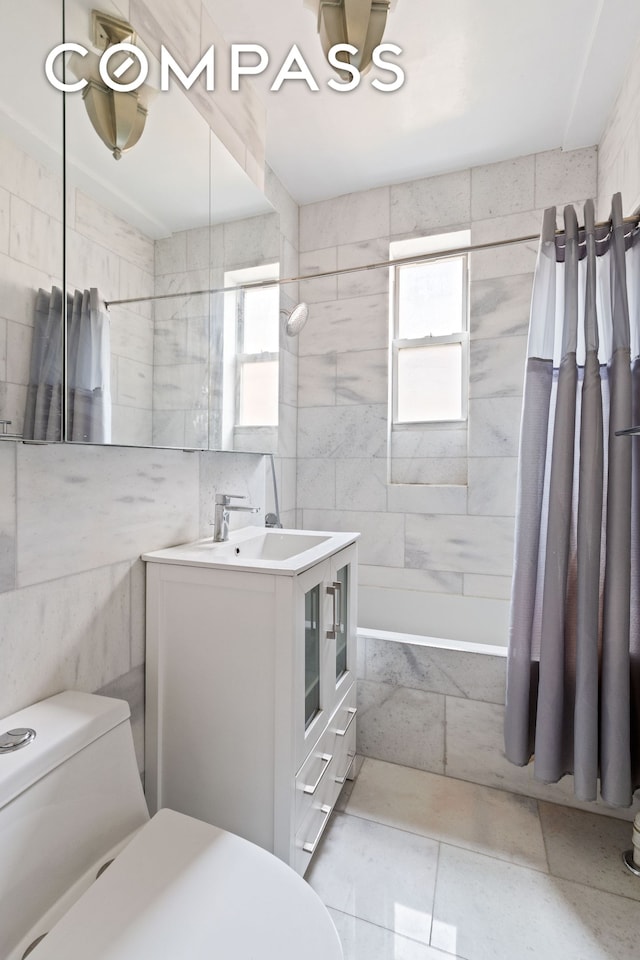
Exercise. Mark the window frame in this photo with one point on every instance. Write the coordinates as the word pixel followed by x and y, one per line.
pixel 233 436
pixel 242 358
pixel 398 344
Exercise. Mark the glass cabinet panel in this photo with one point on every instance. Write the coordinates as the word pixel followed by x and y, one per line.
pixel 342 625
pixel 311 654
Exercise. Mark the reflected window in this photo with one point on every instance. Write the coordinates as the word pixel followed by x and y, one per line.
pixel 258 313
pixel 252 320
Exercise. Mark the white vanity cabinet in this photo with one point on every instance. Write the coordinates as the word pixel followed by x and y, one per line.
pixel 251 696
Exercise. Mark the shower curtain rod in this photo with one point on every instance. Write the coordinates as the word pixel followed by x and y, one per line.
pixel 380 265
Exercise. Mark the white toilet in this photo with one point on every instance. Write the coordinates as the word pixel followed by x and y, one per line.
pixel 71 801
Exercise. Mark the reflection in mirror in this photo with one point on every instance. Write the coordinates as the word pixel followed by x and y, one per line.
pixel 210 258
pixel 251 366
pixel 118 210
pixel 31 232
pixel 159 228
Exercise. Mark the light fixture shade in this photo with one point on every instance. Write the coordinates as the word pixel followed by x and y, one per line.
pixel 358 22
pixel 118 118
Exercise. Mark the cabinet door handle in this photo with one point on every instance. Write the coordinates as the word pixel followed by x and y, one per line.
pixel 350 757
pixel 338 605
pixel 326 760
pixel 333 590
pixel 352 715
pixel 310 845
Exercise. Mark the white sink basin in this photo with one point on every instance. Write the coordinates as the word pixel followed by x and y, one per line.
pixel 258 550
pixel 270 545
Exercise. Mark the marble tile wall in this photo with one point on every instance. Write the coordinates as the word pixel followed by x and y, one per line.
pixel 72 612
pixel 619 150
pixel 73 524
pixel 181 374
pixel 435 505
pixel 8 508
pixel 145 495
pixel 442 711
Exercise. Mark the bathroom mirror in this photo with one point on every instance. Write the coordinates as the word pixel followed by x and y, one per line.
pixel 172 219
pixel 31 218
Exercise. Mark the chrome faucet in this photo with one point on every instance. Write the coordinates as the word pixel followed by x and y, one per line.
pixel 221 516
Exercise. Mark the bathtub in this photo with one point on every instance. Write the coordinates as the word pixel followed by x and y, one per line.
pixel 414 693
pixel 463 622
pixel 434 643
pixel 436 703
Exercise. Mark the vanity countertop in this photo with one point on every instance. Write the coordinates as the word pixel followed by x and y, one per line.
pixel 258 550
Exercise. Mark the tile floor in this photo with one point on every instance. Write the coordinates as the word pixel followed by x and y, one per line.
pixel 416 866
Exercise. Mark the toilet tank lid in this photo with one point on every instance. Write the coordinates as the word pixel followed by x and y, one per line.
pixel 64 725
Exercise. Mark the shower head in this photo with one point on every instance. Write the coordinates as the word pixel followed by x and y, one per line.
pixel 295 319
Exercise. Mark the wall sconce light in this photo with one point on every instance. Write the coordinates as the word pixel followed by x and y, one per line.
pixel 118 117
pixel 358 22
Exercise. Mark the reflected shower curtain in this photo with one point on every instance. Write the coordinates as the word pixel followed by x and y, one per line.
pixel 43 408
pixel 573 680
pixel 88 369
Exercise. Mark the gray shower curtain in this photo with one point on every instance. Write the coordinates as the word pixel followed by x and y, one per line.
pixel 573 678
pixel 43 408
pixel 88 369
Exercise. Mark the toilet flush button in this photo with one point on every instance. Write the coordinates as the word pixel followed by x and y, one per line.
pixel 16 739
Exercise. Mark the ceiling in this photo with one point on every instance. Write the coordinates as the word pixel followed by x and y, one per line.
pixel 485 81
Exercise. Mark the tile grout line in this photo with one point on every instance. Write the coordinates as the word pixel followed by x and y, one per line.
pixel 443 843
pixel 444 953
pixel 459 846
pixel 16 514
pixel 130 579
pixel 544 838
pixel 444 737
pixel 542 873
pixel 556 876
pixel 433 898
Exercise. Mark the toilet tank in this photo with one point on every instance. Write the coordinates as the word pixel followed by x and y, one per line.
pixel 66 800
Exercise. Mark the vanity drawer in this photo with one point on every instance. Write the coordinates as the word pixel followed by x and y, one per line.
pixel 322 777
pixel 309 834
pixel 343 726
pixel 315 776
pixel 328 761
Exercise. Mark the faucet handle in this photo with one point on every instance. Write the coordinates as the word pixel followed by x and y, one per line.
pixel 223 499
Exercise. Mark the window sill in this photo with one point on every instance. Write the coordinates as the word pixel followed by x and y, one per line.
pixel 430 486
pixel 435 424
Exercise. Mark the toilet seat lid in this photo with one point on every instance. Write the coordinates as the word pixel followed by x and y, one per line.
pixel 183 888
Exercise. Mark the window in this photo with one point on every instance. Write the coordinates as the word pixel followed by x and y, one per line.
pixel 252 327
pixel 257 357
pixel 429 332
